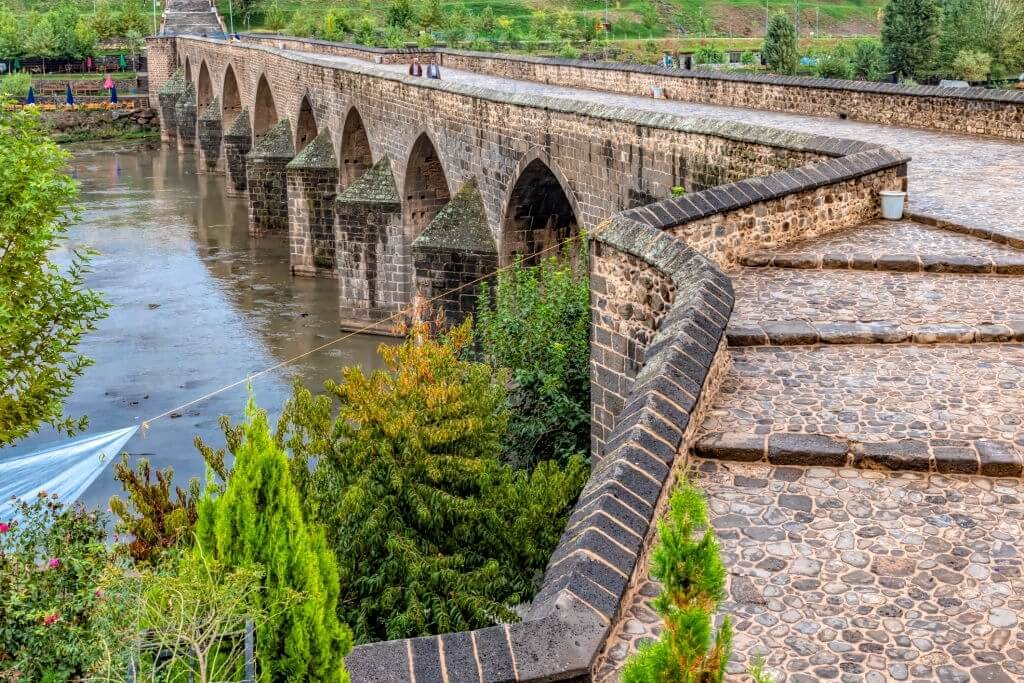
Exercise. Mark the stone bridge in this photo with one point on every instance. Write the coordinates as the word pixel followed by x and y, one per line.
pixel 847 391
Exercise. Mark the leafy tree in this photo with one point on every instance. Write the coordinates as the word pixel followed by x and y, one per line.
pixel 394 38
pixel 910 36
pixel 365 32
pixel 431 532
pixel 131 17
pixel 52 560
pixel 306 24
pixel 835 64
pixel 488 24
pixel 456 26
pixel 972 65
pixel 103 20
pixel 693 586
pixel 400 13
pixel 541 25
pixel 867 60
pixel 431 15
pixel 42 40
pixel 257 522
pixel 780 45
pixel 995 27
pixel 535 323
pixel 134 44
pixel 566 26
pixel 12 39
pixel 44 312
pixel 273 16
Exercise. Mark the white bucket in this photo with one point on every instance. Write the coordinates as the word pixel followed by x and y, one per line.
pixel 658 92
pixel 892 204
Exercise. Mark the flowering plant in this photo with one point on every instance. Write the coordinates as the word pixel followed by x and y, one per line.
pixel 52 561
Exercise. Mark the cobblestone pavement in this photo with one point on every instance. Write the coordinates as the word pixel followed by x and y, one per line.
pixel 968 180
pixel 879 392
pixel 853 575
pixel 883 238
pixel 864 296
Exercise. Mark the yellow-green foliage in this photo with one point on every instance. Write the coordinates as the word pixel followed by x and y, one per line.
pixel 432 533
pixel 258 522
pixel 693 581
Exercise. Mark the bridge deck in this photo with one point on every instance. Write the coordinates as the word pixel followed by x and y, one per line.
pixel 968 180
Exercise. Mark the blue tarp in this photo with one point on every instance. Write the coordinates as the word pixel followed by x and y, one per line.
pixel 67 470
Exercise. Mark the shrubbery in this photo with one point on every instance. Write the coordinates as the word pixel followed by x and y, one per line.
pixel 972 65
pixel 780 45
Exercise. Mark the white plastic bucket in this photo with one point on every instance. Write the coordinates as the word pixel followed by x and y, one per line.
pixel 892 204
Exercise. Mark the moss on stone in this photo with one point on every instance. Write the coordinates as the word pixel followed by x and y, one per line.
pixel 175 85
pixel 276 143
pixel 460 226
pixel 212 111
pixel 240 127
pixel 376 186
pixel 317 154
pixel 187 99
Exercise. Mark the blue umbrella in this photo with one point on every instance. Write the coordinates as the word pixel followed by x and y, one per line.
pixel 113 94
pixel 69 98
pixel 31 97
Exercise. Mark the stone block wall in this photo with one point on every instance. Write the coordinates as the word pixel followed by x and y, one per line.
pixel 266 171
pixel 237 145
pixel 312 190
pixel 185 118
pixel 210 133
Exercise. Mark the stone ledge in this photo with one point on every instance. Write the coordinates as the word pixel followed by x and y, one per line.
pixel 940 456
pixel 1007 237
pixel 801 332
pixel 900 263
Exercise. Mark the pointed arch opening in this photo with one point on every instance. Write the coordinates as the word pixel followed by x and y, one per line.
pixel 426 186
pixel 264 111
pixel 355 149
pixel 188 70
pixel 539 215
pixel 231 98
pixel 204 91
pixel 305 130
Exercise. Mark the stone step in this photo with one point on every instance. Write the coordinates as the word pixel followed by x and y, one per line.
pixel 787 306
pixel 945 396
pixel 902 246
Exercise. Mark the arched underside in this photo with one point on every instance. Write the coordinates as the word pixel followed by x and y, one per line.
pixel 264 111
pixel 231 98
pixel 204 91
pixel 306 129
pixel 426 186
pixel 539 215
pixel 355 149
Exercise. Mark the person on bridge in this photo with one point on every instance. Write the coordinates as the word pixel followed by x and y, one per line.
pixel 433 71
pixel 416 69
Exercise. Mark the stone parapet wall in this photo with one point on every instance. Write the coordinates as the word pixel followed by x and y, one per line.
pixel 975 111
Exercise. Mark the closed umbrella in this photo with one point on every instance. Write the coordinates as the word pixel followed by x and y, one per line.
pixel 121 62
pixel 31 97
pixel 17 64
pixel 113 94
pixel 69 97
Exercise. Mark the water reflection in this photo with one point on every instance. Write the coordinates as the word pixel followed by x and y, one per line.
pixel 197 304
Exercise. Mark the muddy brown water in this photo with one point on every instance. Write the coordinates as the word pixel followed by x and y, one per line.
pixel 197 304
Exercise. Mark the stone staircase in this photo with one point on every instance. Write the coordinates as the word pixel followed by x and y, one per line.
pixel 191 17
pixel 863 461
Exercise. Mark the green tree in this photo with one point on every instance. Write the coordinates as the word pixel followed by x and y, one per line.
pixel 400 13
pixel 488 23
pixel 972 65
pixel 365 32
pixel 432 533
pixel 131 17
pixel 780 45
pixel 456 26
pixel 868 60
pixel 257 522
pixel 45 311
pixel 42 40
pixel 910 36
pixel 431 15
pixel 12 40
pixel 995 27
pixel 535 322
pixel 566 25
pixel 693 586
pixel 103 20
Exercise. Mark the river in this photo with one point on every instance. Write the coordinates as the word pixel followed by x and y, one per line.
pixel 197 304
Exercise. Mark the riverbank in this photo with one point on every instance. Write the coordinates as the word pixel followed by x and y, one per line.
pixel 81 125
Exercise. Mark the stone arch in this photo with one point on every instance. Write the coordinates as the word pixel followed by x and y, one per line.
pixel 305 126
pixel 204 90
pixel 230 98
pixel 540 210
pixel 264 114
pixel 188 70
pixel 355 157
pixel 426 186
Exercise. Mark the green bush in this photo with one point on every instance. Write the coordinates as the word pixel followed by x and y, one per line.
pixel 835 65
pixel 305 24
pixel 568 51
pixel 693 587
pixel 432 533
pixel 868 60
pixel 910 36
pixel 535 322
pixel 365 32
pixel 708 55
pixel 52 564
pixel 15 85
pixel 972 65
pixel 780 45
pixel 257 522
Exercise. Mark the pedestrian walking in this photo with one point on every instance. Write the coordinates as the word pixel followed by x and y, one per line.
pixel 416 69
pixel 433 71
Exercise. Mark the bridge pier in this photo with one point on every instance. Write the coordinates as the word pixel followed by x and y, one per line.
pixel 168 97
pixel 267 180
pixel 372 256
pixel 210 134
pixel 237 143
pixel 312 189
pixel 185 116
pixel 453 253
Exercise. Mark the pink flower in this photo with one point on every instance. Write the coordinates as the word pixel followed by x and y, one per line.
pixel 54 562
pixel 51 619
pixel 4 527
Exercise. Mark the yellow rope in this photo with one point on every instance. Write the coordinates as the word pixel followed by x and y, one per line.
pixel 366 328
